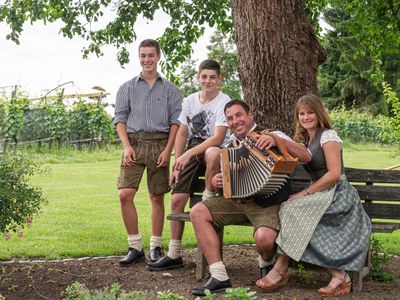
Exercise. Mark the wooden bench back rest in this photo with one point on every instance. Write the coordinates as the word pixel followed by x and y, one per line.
pixel 379 190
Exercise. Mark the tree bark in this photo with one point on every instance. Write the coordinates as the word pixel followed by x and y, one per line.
pixel 278 58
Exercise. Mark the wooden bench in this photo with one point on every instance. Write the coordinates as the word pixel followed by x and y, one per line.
pixel 379 191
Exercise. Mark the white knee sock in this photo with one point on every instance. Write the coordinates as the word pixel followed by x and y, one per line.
pixel 175 249
pixel 135 241
pixel 208 194
pixel 263 263
pixel 155 241
pixel 218 271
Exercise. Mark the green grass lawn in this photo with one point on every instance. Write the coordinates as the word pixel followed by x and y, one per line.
pixel 83 218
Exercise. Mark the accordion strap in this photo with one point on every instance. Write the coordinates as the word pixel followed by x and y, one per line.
pixel 281 146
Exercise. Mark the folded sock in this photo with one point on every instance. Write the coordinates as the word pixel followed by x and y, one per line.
pixel 218 271
pixel 155 241
pixel 208 194
pixel 263 263
pixel 175 249
pixel 135 241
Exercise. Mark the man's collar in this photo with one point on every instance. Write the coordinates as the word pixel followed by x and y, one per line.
pixel 234 137
pixel 139 77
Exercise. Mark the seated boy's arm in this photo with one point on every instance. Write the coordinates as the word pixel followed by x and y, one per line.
pixel 215 140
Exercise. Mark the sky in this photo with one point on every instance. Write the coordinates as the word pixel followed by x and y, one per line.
pixel 45 59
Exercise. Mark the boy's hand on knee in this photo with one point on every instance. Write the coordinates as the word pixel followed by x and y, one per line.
pixel 173 180
pixel 182 161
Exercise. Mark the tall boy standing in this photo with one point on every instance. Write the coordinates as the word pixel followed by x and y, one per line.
pixel 203 121
pixel 146 117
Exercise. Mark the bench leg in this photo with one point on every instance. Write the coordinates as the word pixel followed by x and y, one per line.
pixel 201 262
pixel 220 233
pixel 356 282
pixel 357 277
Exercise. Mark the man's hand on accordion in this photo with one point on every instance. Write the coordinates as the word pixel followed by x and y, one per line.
pixel 216 181
pixel 265 142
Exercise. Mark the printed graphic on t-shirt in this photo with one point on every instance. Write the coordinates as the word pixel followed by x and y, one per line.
pixel 199 124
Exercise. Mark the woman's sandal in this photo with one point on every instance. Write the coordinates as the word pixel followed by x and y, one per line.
pixel 342 289
pixel 267 286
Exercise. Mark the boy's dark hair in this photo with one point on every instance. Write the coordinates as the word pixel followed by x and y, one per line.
pixel 150 43
pixel 237 102
pixel 210 64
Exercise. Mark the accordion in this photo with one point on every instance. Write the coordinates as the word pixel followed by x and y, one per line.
pixel 248 170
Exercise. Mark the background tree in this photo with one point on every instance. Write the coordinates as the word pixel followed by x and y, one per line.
pixel 188 78
pixel 345 76
pixel 278 57
pixel 222 49
pixel 278 51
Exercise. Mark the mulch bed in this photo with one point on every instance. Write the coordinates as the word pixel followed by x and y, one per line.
pixel 48 280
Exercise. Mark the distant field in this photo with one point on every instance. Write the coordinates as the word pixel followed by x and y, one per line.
pixel 83 216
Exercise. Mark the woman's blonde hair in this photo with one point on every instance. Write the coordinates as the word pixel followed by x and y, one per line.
pixel 314 103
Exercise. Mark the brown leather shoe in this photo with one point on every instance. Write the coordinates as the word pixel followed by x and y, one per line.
pixel 267 286
pixel 342 289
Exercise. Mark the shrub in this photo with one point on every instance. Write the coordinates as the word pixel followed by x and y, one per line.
pixel 394 101
pixel 13 118
pixel 90 120
pixel 362 126
pixel 379 259
pixel 19 200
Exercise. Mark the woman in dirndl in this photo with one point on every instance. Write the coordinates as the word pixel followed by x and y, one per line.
pixel 324 224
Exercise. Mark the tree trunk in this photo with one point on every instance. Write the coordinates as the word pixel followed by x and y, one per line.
pixel 278 58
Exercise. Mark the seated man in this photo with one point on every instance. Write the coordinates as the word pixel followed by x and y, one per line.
pixel 262 213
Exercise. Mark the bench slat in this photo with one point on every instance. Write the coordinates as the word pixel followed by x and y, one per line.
pixel 382 210
pixel 377 226
pixel 185 217
pixel 197 186
pixel 356 175
pixel 194 199
pixel 375 192
pixel 382 227
pixel 366 192
pixel 375 176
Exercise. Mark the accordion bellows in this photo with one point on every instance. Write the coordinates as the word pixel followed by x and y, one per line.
pixel 249 171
